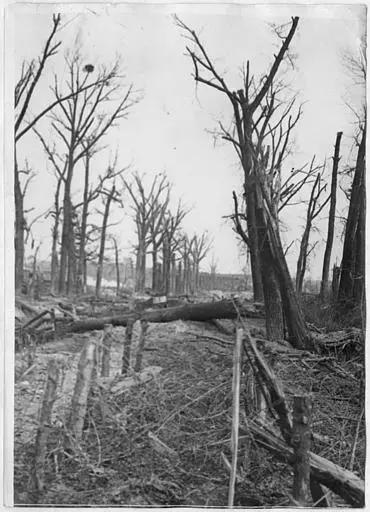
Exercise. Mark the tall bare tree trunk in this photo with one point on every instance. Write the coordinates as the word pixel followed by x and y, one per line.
pixel 80 282
pixel 166 269
pixel 66 230
pixel 99 271
pixel 116 259
pixel 324 290
pixel 19 228
pixel 345 292
pixel 55 239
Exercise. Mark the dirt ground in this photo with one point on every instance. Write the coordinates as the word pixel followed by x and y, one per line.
pixel 165 442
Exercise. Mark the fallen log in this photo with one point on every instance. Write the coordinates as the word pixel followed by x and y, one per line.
pixel 342 482
pixel 202 312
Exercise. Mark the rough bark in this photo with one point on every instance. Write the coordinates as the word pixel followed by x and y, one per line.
pixel 116 260
pixel 271 288
pixel 324 289
pixel 253 240
pixel 140 268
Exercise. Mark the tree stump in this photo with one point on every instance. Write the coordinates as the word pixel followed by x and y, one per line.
pixel 141 344
pixel 86 367
pixel 126 356
pixel 43 430
pixel 107 343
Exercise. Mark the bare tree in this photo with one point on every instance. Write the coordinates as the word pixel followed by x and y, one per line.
pixel 313 210
pixel 200 246
pixel 171 241
pixel 253 108
pixel 24 92
pixel 148 207
pixel 81 122
pixel 110 196
pixel 324 288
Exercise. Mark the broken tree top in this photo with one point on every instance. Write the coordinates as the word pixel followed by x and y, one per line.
pixel 202 312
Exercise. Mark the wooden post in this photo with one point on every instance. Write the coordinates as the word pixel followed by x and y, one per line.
pixel 86 367
pixel 43 430
pixel 107 343
pixel 235 414
pixel 301 442
pixel 141 344
pixel 127 347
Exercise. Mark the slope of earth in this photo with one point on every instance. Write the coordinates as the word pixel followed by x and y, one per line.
pixel 166 442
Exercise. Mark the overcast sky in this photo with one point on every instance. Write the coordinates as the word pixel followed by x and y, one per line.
pixel 169 129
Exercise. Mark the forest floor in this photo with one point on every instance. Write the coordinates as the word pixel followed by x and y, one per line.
pixel 164 442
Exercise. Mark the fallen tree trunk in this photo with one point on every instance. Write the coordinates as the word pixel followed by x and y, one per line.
pixel 342 482
pixel 202 312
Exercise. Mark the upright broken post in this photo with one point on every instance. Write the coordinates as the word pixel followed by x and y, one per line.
pixel 43 430
pixel 301 442
pixel 126 356
pixel 235 414
pixel 141 344
pixel 86 367
pixel 107 343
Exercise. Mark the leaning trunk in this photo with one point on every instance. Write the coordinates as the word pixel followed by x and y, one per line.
pixel 271 290
pixel 345 292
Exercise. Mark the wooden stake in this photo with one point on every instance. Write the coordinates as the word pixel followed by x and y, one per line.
pixel 107 343
pixel 141 344
pixel 127 347
pixel 43 430
pixel 301 442
pixel 235 414
pixel 86 367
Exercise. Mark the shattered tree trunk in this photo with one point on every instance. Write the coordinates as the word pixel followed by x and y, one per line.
pixel 86 368
pixel 50 395
pixel 345 292
pixel 202 312
pixel 116 261
pixel 324 288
